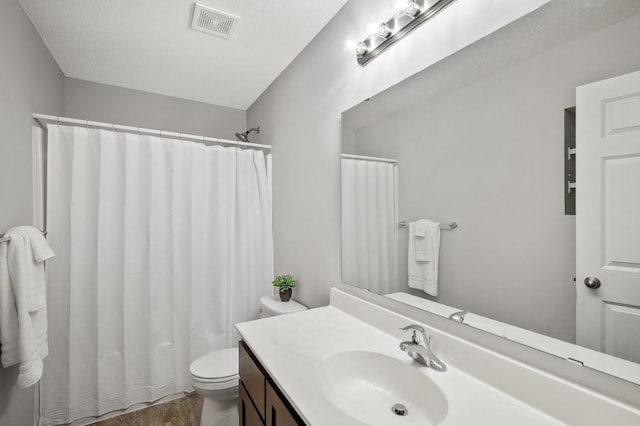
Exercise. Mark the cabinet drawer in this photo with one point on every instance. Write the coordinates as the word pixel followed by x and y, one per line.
pixel 253 378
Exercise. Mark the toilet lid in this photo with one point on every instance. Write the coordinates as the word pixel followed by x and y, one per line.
pixel 222 364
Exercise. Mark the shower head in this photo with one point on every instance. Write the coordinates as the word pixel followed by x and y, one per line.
pixel 244 137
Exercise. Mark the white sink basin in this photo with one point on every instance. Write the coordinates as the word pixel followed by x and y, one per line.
pixel 366 385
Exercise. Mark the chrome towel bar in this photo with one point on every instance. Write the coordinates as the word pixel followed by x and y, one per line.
pixel 446 227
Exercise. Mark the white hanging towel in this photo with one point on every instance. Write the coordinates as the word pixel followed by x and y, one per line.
pixel 23 302
pixel 424 252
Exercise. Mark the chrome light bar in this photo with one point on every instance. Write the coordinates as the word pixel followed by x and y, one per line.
pixel 415 13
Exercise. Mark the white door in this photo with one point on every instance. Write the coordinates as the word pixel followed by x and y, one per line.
pixel 608 216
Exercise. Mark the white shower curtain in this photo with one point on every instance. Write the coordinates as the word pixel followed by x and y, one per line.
pixel 162 246
pixel 369 258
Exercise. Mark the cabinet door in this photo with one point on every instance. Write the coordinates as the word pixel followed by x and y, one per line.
pixel 246 411
pixel 278 414
pixel 253 377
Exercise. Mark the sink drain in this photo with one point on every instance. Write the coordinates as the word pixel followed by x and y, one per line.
pixel 399 410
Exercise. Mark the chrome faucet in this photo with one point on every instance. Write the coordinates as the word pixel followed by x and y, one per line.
pixel 419 348
pixel 458 316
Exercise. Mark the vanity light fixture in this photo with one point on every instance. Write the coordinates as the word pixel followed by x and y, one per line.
pixel 411 16
pixel 361 48
pixel 384 30
pixel 412 8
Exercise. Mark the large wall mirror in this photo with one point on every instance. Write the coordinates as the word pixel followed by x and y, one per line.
pixel 478 139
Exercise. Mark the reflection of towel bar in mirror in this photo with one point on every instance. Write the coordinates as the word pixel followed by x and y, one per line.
pixel 446 227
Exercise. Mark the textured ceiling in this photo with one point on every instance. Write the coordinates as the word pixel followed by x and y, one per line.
pixel 148 44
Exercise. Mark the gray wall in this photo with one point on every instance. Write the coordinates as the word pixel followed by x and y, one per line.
pixel 490 156
pixel 30 80
pixel 300 116
pixel 110 104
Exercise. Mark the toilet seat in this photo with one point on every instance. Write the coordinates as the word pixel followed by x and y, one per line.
pixel 216 367
pixel 227 385
pixel 215 379
pixel 227 380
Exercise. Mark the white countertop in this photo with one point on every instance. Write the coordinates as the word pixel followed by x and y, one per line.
pixel 590 358
pixel 291 348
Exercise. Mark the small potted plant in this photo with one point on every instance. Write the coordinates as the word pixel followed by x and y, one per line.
pixel 285 283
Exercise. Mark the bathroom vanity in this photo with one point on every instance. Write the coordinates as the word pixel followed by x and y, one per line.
pixel 260 401
pixel 341 364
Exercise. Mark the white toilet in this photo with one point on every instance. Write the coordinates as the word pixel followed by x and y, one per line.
pixel 215 375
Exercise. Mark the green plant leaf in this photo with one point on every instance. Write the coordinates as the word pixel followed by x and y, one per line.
pixel 284 282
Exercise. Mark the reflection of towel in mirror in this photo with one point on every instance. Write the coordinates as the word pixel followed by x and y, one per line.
pixel 23 313
pixel 424 248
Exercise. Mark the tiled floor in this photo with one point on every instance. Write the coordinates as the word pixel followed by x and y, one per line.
pixel 179 412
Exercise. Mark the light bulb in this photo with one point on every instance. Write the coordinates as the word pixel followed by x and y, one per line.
pixel 362 47
pixel 397 6
pixel 370 26
pixel 350 45
pixel 412 8
pixel 384 30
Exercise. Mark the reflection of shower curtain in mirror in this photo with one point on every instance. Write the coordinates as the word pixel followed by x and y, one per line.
pixel 368 225
pixel 162 246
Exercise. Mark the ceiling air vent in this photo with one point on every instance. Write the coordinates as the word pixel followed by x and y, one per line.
pixel 214 21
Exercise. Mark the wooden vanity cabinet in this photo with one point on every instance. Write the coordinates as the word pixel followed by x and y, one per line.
pixel 253 379
pixel 260 401
pixel 247 412
pixel 278 412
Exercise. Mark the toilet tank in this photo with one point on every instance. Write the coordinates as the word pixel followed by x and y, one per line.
pixel 272 305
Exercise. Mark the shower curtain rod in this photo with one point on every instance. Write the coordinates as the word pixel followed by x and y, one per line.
pixel 363 157
pixel 43 120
